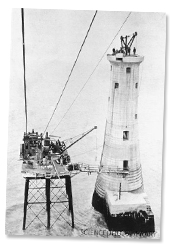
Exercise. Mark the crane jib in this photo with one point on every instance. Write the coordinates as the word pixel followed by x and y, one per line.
pixel 95 127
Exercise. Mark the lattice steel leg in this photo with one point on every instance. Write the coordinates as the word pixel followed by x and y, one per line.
pixel 25 202
pixel 69 193
pixel 48 202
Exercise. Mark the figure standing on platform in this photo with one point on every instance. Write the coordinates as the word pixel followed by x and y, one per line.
pixel 134 50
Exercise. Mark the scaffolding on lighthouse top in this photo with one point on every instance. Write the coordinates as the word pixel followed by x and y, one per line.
pixel 125 54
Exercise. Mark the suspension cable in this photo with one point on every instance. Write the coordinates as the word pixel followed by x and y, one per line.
pixel 71 71
pixel 23 42
pixel 92 72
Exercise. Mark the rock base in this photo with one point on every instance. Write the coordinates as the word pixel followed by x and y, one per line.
pixel 132 222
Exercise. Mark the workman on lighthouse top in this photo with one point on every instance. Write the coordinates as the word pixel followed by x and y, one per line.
pixel 126 53
pixel 134 50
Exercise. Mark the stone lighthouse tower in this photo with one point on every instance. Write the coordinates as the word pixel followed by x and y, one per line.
pixel 119 192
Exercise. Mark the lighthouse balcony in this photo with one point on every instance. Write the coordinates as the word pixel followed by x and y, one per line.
pixel 120 57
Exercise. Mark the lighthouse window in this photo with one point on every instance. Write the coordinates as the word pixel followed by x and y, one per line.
pixel 125 135
pixel 135 116
pixel 116 85
pixel 125 165
pixel 128 70
pixel 136 85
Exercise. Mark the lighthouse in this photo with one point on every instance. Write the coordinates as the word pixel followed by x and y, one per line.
pixel 119 192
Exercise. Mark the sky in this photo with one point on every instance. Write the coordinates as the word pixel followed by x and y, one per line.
pixel 53 39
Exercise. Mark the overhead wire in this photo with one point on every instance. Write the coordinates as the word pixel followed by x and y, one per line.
pixel 25 89
pixel 71 71
pixel 93 71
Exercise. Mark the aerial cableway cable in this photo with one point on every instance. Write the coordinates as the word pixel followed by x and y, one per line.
pixel 71 71
pixel 23 42
pixel 92 71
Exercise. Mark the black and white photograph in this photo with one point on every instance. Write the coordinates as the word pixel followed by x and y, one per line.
pixel 85 133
